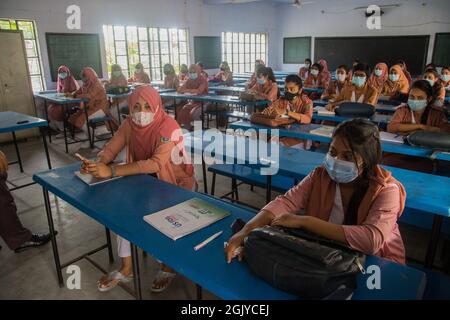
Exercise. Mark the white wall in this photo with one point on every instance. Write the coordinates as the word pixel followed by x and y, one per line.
pixel 340 20
pixel 200 19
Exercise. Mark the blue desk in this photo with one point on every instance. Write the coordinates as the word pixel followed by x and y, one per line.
pixel 60 99
pixel 434 199
pixel 13 121
pixel 228 89
pixel 377 118
pixel 120 206
pixel 380 107
pixel 302 131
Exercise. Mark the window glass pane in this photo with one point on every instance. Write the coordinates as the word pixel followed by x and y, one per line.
pixel 142 34
pixel 121 49
pixel 122 61
pixel 33 66
pixel 183 47
pixel 119 33
pixel 4 24
pixel 30 47
pixel 182 35
pixel 36 83
pixel 143 48
pixel 27 28
pixel 163 34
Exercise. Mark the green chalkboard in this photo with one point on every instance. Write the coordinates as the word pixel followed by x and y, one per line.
pixel 296 50
pixel 208 50
pixel 74 50
pixel 441 56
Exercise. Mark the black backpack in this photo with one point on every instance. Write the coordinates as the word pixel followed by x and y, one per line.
pixel 302 263
pixel 355 110
pixel 427 139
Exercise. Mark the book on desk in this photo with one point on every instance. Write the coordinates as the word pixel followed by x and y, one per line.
pixel 186 218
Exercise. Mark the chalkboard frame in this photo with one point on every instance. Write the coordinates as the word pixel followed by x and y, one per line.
pixel 205 63
pixel 425 36
pixel 284 50
pixel 434 46
pixel 77 76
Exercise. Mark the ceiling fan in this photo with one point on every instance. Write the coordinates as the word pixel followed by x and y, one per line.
pixel 299 3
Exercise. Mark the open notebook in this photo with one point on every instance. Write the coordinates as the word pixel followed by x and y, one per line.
pixel 325 131
pixel 323 111
pixel 90 180
pixel 391 137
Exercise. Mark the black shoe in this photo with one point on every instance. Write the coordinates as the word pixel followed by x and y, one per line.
pixel 37 240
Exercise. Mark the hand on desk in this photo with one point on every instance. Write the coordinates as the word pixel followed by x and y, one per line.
pixel 330 107
pixel 233 248
pixel 3 163
pixel 97 169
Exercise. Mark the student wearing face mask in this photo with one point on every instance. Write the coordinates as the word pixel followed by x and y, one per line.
pixel 65 83
pixel 304 71
pixel 97 105
pixel 117 78
pixel 295 105
pixel 358 91
pixel 253 79
pixel 183 76
pixel 266 87
pixel 379 76
pixel 149 137
pixel 224 75
pixel 171 80
pixel 432 76
pixel 445 80
pixel 335 87
pixel 139 76
pixel 350 198
pixel 419 113
pixel 196 84
pixel 397 86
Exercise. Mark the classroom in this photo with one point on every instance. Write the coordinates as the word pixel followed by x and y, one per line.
pixel 224 150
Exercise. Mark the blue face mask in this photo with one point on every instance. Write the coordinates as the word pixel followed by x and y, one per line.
pixel 358 81
pixel 193 75
pixel 445 77
pixel 378 72
pixel 261 81
pixel 394 77
pixel 417 105
pixel 340 171
pixel 63 75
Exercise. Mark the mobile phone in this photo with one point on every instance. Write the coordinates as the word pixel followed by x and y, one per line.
pixel 237 225
pixel 79 156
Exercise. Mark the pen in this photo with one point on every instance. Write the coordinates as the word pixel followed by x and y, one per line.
pixel 204 243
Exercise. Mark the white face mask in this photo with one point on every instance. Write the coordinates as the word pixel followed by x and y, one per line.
pixel 445 77
pixel 142 119
pixel 378 72
pixel 307 65
pixel 314 72
pixel 394 77
pixel 341 77
pixel 340 171
pixel 431 82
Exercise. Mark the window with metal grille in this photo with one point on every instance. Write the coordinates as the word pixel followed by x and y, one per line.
pixel 153 47
pixel 28 28
pixel 241 50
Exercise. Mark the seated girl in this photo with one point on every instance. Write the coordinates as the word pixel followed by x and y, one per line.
pixel 445 79
pixel 397 86
pixel 183 76
pixel 191 111
pixel 379 76
pixel 253 79
pixel 350 198
pixel 266 87
pixel 335 87
pixel 97 105
pixel 325 73
pixel 294 105
pixel 171 80
pixel 65 83
pixel 304 71
pixel 139 76
pixel 432 76
pixel 418 114
pixel 317 80
pixel 224 75
pixel 203 72
pixel 402 64
pixel 358 91
pixel 117 78
pixel 149 137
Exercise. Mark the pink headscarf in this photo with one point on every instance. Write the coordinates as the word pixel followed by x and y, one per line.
pixel 69 84
pixel 376 81
pixel 325 75
pixel 92 80
pixel 194 84
pixel 145 140
pixel 119 81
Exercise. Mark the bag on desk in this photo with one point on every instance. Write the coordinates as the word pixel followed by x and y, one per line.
pixel 270 120
pixel 302 263
pixel 427 139
pixel 355 110
pixel 118 90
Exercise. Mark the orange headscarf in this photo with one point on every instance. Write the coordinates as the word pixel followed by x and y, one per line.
pixel 402 82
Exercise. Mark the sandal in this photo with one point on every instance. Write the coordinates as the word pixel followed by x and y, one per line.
pixel 110 281
pixel 162 276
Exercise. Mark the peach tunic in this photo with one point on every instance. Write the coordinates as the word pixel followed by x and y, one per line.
pixel 334 89
pixel 268 91
pixel 351 93
pixel 404 115
pixel 393 88
pixel 378 81
pixel 376 232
